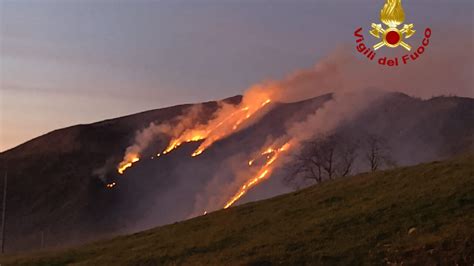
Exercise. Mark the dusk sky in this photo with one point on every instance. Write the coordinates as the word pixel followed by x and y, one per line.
pixel 76 61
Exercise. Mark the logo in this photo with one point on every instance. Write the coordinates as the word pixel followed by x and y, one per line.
pixel 392 15
pixel 391 36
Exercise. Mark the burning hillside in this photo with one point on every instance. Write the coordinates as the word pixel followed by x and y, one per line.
pixel 173 187
pixel 228 120
pixel 271 155
pixel 339 74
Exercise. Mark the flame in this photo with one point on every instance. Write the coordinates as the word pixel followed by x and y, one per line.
pixel 223 125
pixel 392 13
pixel 110 185
pixel 127 163
pixel 216 129
pixel 262 174
pixel 267 152
pixel 222 129
pixel 184 138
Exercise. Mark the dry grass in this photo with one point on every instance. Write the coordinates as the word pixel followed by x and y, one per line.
pixel 363 219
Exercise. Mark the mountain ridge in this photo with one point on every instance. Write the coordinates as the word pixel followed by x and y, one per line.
pixel 53 189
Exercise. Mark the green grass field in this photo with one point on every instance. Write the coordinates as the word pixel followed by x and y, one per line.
pixel 363 219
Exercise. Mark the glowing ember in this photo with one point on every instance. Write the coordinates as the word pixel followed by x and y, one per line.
pixel 267 152
pixel 110 185
pixel 262 174
pixel 266 102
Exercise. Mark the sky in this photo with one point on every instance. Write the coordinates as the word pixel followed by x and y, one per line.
pixel 67 62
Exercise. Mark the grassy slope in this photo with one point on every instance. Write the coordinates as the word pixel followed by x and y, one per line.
pixel 361 219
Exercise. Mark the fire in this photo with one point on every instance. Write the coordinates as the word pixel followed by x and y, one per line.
pixel 266 152
pixel 264 172
pixel 185 138
pixel 127 163
pixel 110 185
pixel 215 130
pixel 229 125
pixel 223 125
pixel 265 102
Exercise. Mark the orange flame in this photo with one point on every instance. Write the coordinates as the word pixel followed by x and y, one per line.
pixel 218 129
pixel 262 174
pixel 127 163
pixel 266 152
pixel 185 138
pixel 213 131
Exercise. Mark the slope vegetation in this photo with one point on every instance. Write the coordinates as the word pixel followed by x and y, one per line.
pixel 53 189
pixel 419 215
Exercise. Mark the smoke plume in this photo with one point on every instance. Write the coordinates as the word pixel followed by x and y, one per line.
pixel 356 83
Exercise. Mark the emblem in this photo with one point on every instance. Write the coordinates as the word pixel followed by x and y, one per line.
pixel 392 15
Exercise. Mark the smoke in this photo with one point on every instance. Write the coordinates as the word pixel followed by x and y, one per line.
pixel 344 106
pixel 444 69
pixel 229 176
pixel 101 172
pixel 355 84
pixel 144 137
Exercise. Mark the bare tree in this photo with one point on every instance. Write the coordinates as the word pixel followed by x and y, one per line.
pixel 377 152
pixel 334 156
pixel 324 158
pixel 307 164
pixel 347 156
pixel 327 151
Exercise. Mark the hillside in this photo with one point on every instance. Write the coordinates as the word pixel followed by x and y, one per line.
pixel 52 188
pixel 417 215
pixel 53 191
